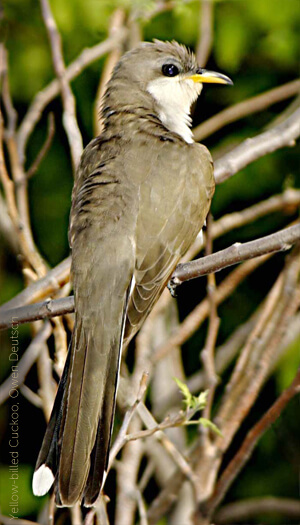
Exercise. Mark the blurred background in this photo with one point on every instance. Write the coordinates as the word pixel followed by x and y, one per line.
pixel 254 42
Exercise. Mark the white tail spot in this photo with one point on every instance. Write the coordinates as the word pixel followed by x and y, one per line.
pixel 42 480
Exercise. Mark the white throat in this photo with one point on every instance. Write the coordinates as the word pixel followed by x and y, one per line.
pixel 174 97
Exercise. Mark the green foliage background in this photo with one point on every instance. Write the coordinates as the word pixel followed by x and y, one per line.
pixel 256 43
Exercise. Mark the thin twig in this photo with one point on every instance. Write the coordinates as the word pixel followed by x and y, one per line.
pixel 31 396
pixel 47 387
pixel 7 229
pixel 156 429
pixel 127 478
pixel 27 360
pixel 69 113
pixel 121 437
pixel 142 508
pixel 245 108
pixel 7 183
pixel 224 354
pixel 11 113
pixel 44 149
pixel 22 229
pixel 207 354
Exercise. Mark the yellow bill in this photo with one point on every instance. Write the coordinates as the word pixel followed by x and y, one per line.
pixel 211 77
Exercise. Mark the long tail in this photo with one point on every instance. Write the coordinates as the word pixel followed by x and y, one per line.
pixel 74 453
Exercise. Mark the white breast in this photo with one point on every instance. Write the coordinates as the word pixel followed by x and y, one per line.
pixel 174 97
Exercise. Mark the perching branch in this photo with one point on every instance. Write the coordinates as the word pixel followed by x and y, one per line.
pixel 52 282
pixel 275 242
pixel 33 312
pixel 279 241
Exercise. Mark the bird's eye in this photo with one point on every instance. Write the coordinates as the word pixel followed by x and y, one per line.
pixel 170 70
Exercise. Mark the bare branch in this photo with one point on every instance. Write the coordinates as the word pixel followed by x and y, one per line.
pixel 31 396
pixel 238 252
pixel 245 108
pixel 224 354
pixel 116 24
pixel 44 149
pixel 251 440
pixel 29 357
pixel 7 229
pixel 200 313
pixel 252 149
pixel 7 183
pixel 69 114
pixel 207 354
pixel 121 437
pixel 278 241
pixel 7 101
pixel 248 508
pixel 206 32
pixel 247 379
pixel 288 201
pixel 26 314
pixel 44 287
pixel 17 204
pixel 42 99
pixel 142 508
pixel 127 478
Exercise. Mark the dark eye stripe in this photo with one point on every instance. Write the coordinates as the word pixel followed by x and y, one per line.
pixel 170 70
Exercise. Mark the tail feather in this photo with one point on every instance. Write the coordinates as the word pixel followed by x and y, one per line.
pixel 74 453
pixel 100 453
pixel 90 405
pixel 47 462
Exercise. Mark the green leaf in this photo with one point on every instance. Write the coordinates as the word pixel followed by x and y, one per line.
pixel 187 396
pixel 209 424
pixel 202 399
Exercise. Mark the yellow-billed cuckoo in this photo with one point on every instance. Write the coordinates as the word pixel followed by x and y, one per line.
pixel 141 195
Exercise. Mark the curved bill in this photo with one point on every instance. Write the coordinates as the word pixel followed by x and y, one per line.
pixel 211 77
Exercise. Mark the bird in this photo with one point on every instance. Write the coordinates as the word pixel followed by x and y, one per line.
pixel 141 195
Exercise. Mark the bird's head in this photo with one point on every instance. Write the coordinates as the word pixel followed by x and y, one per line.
pixel 169 72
